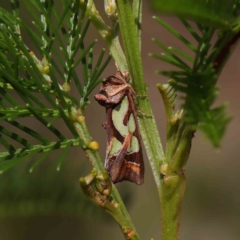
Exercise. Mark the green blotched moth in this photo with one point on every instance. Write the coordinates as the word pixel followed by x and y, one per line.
pixel 124 160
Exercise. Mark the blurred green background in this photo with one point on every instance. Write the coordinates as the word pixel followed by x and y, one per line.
pixel 50 205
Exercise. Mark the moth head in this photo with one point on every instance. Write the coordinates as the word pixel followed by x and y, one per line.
pixel 101 98
pixel 104 101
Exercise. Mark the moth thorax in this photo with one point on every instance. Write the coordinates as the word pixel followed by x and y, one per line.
pixel 124 75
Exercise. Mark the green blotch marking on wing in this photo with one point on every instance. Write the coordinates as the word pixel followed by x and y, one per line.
pixel 118 115
pixel 116 147
pixel 134 146
pixel 131 124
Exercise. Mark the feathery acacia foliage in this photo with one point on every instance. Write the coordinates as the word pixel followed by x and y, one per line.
pixel 26 73
pixel 197 79
pixel 198 76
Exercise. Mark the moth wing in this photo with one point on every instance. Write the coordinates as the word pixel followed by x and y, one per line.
pixel 132 168
pixel 133 165
pixel 124 164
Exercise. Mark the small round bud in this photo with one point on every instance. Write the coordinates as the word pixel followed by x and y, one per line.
pixel 169 180
pixel 81 119
pixel 164 168
pixel 107 192
pixel 73 115
pixel 93 145
pixel 66 87
pixel 115 204
pixel 46 70
pixel 129 233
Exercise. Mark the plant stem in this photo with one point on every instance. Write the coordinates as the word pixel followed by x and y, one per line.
pixel 148 128
pixel 137 13
pixel 226 51
pixel 108 35
pixel 171 187
pixel 178 146
pixel 121 213
pixel 171 196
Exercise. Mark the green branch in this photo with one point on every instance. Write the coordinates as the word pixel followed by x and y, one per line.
pixel 114 206
pixel 108 34
pixel 148 128
pixel 172 191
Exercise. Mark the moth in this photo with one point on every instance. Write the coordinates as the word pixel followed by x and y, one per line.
pixel 124 160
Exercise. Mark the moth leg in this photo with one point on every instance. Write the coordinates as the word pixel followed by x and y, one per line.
pixel 140 113
pixel 141 96
pixel 104 125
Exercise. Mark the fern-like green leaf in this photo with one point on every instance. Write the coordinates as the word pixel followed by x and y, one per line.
pixel 197 79
pixel 36 83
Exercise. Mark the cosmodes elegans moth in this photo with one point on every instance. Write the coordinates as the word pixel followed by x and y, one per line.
pixel 124 160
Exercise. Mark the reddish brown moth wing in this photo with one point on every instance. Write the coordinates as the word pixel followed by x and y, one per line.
pixel 124 160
